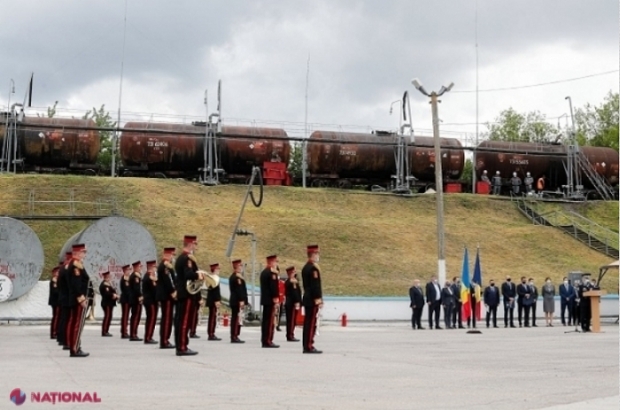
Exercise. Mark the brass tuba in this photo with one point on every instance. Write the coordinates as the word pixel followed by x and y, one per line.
pixel 210 281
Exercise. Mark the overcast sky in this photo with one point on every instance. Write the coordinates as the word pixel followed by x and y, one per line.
pixel 363 55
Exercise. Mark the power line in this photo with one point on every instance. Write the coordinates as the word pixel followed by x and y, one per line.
pixel 518 87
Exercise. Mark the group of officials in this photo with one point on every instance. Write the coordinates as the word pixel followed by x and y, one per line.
pixel 164 288
pixel 523 296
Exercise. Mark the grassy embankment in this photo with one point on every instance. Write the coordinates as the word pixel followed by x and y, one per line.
pixel 371 244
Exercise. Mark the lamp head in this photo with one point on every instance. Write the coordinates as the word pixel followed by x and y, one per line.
pixel 416 83
pixel 450 87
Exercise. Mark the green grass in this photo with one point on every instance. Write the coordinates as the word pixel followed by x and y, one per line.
pixel 372 244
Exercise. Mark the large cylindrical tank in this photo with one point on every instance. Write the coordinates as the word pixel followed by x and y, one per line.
pixel 422 158
pixel 111 243
pixel 58 147
pixel 520 157
pixel 184 153
pixel 21 255
pixel 353 156
pixel 161 152
pixel 251 146
pixel 604 160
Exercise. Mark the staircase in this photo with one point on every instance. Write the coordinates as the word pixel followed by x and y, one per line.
pixel 579 227
pixel 605 190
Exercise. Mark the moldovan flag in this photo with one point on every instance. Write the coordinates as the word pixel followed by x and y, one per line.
pixel 466 307
pixel 478 285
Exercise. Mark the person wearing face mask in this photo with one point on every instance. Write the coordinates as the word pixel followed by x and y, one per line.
pixel 456 313
pixel 312 298
pixel 509 293
pixel 586 309
pixel 448 302
pixel 534 297
pixel 417 304
pixel 433 300
pixel 577 304
pixel 567 300
pixel 524 302
pixel 491 301
pixel 548 294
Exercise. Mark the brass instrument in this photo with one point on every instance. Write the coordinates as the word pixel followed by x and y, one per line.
pixel 210 281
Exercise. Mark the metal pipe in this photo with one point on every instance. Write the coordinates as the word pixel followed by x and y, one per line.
pixel 231 242
pixel 441 262
pixel 253 256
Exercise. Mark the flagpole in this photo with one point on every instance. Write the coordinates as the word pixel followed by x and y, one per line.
pixel 120 97
pixel 473 168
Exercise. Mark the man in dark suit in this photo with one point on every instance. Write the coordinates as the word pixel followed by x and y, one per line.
pixel 586 310
pixel 524 301
pixel 433 300
pixel 417 304
pixel 534 297
pixel 509 292
pixel 567 298
pixel 491 301
pixel 456 313
pixel 448 301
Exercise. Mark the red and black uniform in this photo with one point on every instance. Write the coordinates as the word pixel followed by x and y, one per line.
pixel 238 294
pixel 186 269
pixel 125 307
pixel 53 302
pixel 135 301
pixel 293 303
pixel 268 292
pixel 65 308
pixel 78 290
pixel 150 305
pixel 213 295
pixel 281 299
pixel 311 277
pixel 108 303
pixel 166 295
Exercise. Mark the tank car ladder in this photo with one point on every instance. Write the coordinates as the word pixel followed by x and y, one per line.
pixel 602 187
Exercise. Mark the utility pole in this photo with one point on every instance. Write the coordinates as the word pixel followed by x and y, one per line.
pixel 434 96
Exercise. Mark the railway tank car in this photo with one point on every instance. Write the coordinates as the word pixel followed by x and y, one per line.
pixel 344 159
pixel 56 145
pixel 164 149
pixel 541 159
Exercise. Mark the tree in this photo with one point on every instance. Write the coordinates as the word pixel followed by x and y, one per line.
pixel 514 126
pixel 102 119
pixel 598 126
pixel 51 111
pixel 467 171
pixel 295 164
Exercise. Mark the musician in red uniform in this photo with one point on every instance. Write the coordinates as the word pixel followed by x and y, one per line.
pixel 269 299
pixel 166 294
pixel 238 300
pixel 125 296
pixel 108 303
pixel 149 285
pixel 313 297
pixel 214 298
pixel 281 299
pixel 186 268
pixel 53 302
pixel 292 303
pixel 135 301
pixel 77 300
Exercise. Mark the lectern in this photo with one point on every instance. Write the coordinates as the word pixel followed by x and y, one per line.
pixel 595 308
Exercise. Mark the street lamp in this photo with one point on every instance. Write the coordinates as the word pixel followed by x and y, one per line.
pixel 441 263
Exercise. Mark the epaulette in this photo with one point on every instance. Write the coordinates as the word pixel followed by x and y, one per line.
pixel 168 265
pixel 78 265
pixel 192 257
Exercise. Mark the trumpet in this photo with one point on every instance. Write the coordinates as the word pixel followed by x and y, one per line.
pixel 209 281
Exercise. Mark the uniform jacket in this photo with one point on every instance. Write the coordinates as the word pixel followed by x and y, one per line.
pixel 77 280
pixel 166 282
pixel 125 289
pixel 214 295
pixel 53 297
pixel 311 277
pixel 238 290
pixel 135 284
pixel 292 292
pixel 107 292
pixel 149 290
pixel 268 286
pixel 186 268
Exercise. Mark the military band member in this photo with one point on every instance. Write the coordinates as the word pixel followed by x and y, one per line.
pixel 292 303
pixel 77 299
pixel 108 303
pixel 186 268
pixel 214 298
pixel 238 300
pixel 135 301
pixel 269 299
pixel 585 306
pixel 63 290
pixel 149 284
pixel 166 296
pixel 281 300
pixel 193 328
pixel 53 302
pixel 312 299
pixel 125 298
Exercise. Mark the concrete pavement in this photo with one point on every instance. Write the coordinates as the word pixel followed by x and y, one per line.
pixel 363 367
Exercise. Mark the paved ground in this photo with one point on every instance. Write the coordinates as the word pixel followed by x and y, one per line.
pixel 385 366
